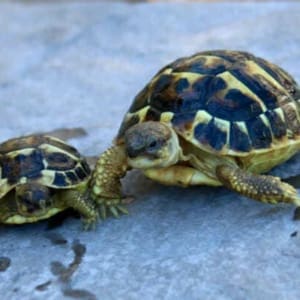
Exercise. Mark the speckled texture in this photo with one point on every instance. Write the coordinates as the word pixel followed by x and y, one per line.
pixel 70 65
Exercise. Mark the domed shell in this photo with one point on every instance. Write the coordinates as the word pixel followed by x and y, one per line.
pixel 43 159
pixel 227 102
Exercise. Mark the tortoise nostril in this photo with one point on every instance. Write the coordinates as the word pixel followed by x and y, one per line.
pixel 134 152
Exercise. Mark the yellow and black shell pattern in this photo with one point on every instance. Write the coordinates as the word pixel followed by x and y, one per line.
pixel 227 102
pixel 43 159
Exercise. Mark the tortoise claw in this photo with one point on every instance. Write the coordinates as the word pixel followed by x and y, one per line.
pixel 114 211
pixel 89 224
pixel 127 199
pixel 123 209
pixel 114 207
pixel 103 213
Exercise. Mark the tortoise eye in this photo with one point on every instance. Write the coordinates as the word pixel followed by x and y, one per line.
pixel 152 145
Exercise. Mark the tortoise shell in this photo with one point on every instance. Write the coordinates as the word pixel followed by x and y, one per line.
pixel 227 102
pixel 43 159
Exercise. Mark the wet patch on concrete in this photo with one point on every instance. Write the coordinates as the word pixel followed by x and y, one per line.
pixel 4 263
pixel 56 238
pixel 294 234
pixel 44 286
pixel 79 294
pixel 297 214
pixel 65 274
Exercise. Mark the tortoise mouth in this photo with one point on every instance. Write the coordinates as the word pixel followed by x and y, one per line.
pixel 32 210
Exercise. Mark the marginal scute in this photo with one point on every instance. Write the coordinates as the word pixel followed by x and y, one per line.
pixel 80 173
pixel 60 180
pixel 210 134
pixel 72 177
pixel 292 117
pixel 278 125
pixel 85 166
pixel 259 133
pixel 152 114
pixel 239 139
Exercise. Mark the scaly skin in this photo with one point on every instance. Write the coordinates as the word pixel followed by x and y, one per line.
pixel 79 201
pixel 105 185
pixel 265 188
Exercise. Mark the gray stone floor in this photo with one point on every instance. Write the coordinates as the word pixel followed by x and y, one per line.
pixel 79 65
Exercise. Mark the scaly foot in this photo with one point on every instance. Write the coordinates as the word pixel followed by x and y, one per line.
pixel 89 223
pixel 113 206
pixel 105 185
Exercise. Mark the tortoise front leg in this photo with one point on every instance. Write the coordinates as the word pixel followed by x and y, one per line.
pixel 265 188
pixel 78 200
pixel 105 184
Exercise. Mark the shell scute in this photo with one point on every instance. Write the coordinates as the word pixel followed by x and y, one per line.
pixel 292 118
pixel 239 139
pixel 210 134
pixel 202 65
pixel 60 180
pixel 72 177
pixel 59 161
pixel 259 133
pixel 277 73
pixel 22 165
pixel 80 173
pixel 260 87
pixel 277 124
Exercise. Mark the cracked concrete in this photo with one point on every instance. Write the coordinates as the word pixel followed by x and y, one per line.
pixel 79 65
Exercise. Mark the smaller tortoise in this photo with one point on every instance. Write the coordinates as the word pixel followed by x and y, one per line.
pixel 41 176
pixel 215 118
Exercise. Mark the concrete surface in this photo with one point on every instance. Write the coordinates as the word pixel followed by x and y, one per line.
pixel 70 65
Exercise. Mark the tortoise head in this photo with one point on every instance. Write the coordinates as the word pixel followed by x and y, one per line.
pixel 151 145
pixel 33 200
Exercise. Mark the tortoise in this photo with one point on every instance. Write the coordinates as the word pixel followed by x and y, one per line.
pixel 217 118
pixel 41 176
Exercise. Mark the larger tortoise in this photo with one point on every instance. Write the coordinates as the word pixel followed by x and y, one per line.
pixel 217 118
pixel 40 176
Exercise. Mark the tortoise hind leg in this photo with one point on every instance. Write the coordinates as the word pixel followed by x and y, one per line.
pixel 265 188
